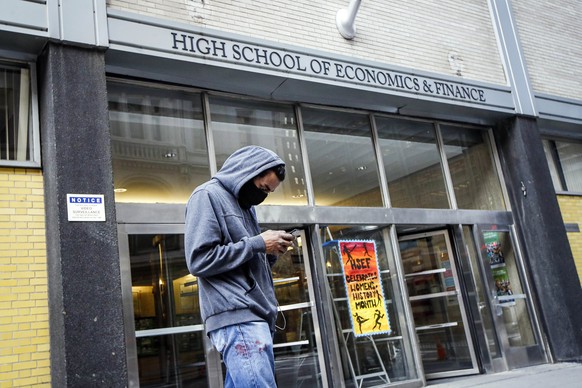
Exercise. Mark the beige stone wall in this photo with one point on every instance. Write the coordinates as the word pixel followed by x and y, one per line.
pixel 414 34
pixel 571 207
pixel 24 321
pixel 550 34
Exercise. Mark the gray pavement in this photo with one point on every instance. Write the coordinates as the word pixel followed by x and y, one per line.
pixel 562 375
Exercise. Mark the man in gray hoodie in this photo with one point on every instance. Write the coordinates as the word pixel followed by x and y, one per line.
pixel 232 259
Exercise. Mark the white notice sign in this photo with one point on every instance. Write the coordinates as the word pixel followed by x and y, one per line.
pixel 86 207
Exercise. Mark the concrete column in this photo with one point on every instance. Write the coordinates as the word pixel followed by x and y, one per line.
pixel 85 303
pixel 548 257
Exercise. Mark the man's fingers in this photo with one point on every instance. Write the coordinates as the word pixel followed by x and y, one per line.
pixel 277 241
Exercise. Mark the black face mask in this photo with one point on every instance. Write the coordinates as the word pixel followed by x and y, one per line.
pixel 250 195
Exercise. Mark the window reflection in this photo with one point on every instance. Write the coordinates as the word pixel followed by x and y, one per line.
pixel 159 151
pixel 237 123
pixel 474 175
pixel 571 163
pixel 565 160
pixel 412 164
pixel 341 158
pixel 158 143
pixel 368 360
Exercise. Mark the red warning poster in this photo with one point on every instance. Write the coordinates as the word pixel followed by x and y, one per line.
pixel 364 288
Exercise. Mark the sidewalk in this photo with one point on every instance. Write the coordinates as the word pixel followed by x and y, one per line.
pixel 562 375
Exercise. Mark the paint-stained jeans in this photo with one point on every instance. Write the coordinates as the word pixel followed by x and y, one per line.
pixel 247 351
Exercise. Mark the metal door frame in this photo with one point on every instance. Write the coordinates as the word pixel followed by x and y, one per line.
pixel 213 360
pixel 459 292
pixel 212 357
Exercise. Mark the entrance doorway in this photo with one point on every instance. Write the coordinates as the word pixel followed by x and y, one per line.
pixel 437 306
pixel 167 346
pixel 513 336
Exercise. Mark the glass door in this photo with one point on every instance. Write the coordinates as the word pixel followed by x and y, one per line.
pixel 167 345
pixel 437 306
pixel 162 310
pixel 296 342
pixel 508 297
pixel 373 331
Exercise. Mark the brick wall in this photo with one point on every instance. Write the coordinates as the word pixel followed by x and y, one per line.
pixel 550 33
pixel 571 207
pixel 418 34
pixel 24 327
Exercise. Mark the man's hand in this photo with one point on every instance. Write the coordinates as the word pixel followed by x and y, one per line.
pixel 277 241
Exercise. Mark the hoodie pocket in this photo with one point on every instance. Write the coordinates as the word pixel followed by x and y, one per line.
pixel 260 304
pixel 225 293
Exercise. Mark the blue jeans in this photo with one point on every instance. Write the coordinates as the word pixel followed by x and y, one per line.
pixel 247 351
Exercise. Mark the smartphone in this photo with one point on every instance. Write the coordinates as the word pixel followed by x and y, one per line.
pixel 295 232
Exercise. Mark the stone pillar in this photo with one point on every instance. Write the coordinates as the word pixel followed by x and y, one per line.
pixel 85 302
pixel 547 254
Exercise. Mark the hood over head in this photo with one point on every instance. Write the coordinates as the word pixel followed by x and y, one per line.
pixel 245 164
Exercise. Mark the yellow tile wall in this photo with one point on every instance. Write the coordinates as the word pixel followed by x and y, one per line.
pixel 571 207
pixel 24 321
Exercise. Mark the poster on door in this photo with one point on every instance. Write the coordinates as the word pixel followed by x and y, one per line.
pixel 502 283
pixel 496 259
pixel 364 288
pixel 493 249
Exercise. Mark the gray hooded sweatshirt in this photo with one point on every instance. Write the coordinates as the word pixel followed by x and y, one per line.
pixel 224 249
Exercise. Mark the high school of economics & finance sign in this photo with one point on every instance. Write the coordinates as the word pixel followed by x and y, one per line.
pixel 302 64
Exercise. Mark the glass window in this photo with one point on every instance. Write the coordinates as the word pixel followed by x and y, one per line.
pixel 238 123
pixel 473 172
pixel 384 357
pixel 341 158
pixel 571 162
pixel 553 164
pixel 16 129
pixel 565 160
pixel 158 143
pixel 412 164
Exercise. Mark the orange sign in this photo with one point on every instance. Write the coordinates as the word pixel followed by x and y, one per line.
pixel 364 288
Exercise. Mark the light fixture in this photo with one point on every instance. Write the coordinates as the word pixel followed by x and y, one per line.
pixel 120 190
pixel 345 19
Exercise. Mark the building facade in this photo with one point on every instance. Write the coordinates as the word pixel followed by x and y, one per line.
pixel 434 162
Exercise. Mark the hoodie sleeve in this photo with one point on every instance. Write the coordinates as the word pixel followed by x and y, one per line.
pixel 206 254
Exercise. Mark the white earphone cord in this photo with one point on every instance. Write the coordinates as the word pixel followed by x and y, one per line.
pixel 284 319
